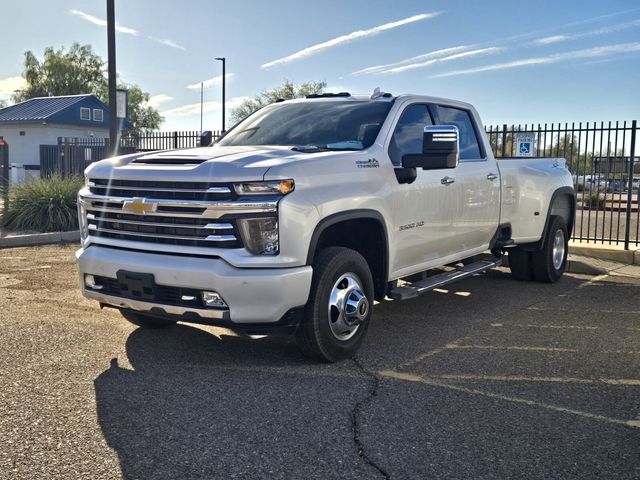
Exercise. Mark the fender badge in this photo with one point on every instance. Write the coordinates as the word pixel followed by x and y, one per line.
pixel 371 163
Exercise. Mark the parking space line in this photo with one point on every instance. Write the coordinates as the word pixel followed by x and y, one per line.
pixel 430 353
pixel 558 327
pixel 409 377
pixel 554 309
pixel 454 346
pixel 524 378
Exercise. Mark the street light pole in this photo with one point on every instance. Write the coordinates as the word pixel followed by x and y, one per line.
pixel 224 84
pixel 111 59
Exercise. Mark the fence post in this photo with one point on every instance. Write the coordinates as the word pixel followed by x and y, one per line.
pixel 504 140
pixel 175 140
pixel 632 154
pixel 4 171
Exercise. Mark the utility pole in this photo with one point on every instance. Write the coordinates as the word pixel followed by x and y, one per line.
pixel 111 58
pixel 201 103
pixel 224 84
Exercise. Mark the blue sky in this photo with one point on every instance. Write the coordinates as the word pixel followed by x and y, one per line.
pixel 517 62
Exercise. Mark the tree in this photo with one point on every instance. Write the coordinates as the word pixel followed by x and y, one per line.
pixel 286 91
pixel 78 71
pixel 143 117
pixel 2 103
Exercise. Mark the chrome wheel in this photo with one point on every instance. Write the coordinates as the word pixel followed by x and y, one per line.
pixel 558 251
pixel 348 306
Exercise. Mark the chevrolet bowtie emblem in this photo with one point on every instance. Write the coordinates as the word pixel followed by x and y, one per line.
pixel 139 206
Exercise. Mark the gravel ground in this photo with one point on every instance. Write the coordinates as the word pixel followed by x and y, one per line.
pixel 491 378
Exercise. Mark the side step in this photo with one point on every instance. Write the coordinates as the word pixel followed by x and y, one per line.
pixel 417 288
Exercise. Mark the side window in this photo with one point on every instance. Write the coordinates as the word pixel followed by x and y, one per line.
pixel 407 137
pixel 469 146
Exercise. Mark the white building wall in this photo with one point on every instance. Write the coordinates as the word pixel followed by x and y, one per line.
pixel 25 150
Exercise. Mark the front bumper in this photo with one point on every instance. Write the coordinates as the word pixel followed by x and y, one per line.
pixel 253 295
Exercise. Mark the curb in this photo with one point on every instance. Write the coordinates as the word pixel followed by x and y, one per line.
pixel 606 252
pixel 39 239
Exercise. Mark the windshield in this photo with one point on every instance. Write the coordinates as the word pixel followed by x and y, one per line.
pixel 312 126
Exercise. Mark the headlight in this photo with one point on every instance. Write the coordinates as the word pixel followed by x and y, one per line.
pixel 276 187
pixel 260 235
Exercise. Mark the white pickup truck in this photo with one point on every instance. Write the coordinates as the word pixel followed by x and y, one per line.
pixel 309 210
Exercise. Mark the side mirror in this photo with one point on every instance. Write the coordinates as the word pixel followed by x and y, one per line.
pixel 439 149
pixel 205 138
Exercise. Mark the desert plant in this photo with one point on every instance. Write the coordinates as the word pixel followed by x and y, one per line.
pixel 47 205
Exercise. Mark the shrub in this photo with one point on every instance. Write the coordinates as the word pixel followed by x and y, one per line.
pixel 43 205
pixel 594 200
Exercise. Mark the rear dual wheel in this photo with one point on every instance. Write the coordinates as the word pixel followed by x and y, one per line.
pixel 547 264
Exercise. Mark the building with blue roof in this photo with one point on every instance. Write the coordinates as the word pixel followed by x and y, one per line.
pixel 39 122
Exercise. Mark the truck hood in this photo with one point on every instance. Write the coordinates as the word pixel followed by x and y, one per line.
pixel 197 164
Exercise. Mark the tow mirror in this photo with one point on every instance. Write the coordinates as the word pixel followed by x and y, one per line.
pixel 439 149
pixel 205 138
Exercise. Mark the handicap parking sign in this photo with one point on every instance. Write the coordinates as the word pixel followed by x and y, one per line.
pixel 524 144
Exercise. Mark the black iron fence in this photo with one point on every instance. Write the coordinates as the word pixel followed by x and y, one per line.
pixel 601 157
pixel 606 172
pixel 164 140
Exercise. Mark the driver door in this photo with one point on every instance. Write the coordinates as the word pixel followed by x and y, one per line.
pixel 423 211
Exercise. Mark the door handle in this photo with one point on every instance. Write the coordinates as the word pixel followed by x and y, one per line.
pixel 447 180
pixel 492 176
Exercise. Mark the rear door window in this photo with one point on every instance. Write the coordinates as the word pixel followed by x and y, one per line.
pixel 469 144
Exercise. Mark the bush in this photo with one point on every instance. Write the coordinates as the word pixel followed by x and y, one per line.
pixel 43 205
pixel 594 200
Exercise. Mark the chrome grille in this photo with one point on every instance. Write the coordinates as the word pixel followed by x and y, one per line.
pixel 174 191
pixel 161 214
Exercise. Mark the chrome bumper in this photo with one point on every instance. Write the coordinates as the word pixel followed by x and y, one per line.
pixel 145 307
pixel 253 295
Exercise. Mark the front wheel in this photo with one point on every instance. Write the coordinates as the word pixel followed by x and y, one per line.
pixel 339 308
pixel 550 262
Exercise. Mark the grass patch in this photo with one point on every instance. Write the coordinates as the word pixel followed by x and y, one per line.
pixel 48 205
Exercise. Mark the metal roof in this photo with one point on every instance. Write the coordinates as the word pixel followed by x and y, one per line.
pixel 40 108
pixel 63 110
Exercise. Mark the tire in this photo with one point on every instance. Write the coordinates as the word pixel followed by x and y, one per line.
pixel 327 333
pixel 550 262
pixel 146 321
pixel 520 264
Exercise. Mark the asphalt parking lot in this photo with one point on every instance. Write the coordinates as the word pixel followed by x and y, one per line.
pixel 491 378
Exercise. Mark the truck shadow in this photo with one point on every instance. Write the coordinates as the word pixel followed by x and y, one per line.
pixel 204 404
pixel 197 405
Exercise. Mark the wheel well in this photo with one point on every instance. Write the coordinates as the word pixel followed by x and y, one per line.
pixel 563 205
pixel 364 235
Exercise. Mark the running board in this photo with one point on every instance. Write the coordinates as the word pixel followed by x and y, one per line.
pixel 414 289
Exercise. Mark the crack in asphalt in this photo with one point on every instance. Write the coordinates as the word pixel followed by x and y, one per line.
pixel 357 409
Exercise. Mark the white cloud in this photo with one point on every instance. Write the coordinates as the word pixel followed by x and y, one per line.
pixel 448 58
pixel 167 42
pixel 156 100
pixel 550 59
pixel 10 85
pixel 194 108
pixel 358 34
pixel 591 33
pixel 210 82
pixel 424 56
pixel 101 22
pixel 549 40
